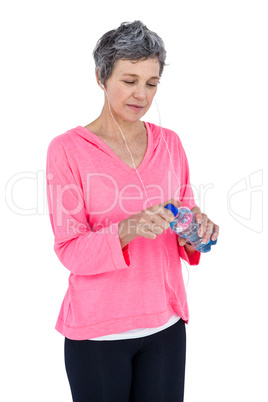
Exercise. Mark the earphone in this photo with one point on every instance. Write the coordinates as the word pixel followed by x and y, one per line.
pixel 160 124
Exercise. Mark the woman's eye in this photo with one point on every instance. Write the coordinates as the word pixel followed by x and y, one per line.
pixel 133 82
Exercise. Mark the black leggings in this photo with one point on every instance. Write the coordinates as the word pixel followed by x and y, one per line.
pixel 146 369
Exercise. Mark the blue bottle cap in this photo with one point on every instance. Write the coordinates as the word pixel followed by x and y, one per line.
pixel 172 208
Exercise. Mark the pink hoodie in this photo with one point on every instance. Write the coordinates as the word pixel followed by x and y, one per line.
pixel 90 190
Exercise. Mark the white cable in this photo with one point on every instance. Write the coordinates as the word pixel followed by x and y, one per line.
pixel 126 145
pixel 160 124
pixel 142 181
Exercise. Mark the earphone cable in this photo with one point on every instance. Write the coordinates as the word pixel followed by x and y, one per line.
pixel 160 124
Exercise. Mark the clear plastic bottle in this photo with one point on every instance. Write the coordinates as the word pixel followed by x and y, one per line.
pixel 186 226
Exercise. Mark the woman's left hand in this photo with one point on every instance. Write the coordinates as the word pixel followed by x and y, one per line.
pixel 205 229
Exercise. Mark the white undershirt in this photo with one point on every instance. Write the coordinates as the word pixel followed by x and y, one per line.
pixel 138 333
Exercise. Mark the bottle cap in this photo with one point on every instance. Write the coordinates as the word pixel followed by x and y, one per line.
pixel 172 208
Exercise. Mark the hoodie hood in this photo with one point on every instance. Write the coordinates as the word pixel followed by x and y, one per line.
pixel 153 140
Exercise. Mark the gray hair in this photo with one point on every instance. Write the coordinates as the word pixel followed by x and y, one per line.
pixel 130 41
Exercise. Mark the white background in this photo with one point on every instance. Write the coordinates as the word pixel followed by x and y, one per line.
pixel 214 95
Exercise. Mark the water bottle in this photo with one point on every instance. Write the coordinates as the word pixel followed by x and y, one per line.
pixel 186 226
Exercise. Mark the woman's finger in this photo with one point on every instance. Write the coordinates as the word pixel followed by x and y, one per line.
pixel 144 229
pixel 203 225
pixel 216 230
pixel 208 231
pixel 181 241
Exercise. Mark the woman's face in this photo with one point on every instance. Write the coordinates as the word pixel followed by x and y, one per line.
pixel 132 87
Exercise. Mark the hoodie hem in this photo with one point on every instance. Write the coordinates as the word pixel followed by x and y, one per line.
pixel 118 325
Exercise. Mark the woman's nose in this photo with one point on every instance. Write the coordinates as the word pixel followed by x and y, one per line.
pixel 140 92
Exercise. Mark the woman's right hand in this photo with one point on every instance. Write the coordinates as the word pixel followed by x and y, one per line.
pixel 148 223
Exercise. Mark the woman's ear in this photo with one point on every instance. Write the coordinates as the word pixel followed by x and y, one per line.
pixel 97 78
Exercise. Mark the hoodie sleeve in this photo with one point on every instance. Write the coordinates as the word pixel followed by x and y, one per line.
pixel 192 259
pixel 187 199
pixel 80 250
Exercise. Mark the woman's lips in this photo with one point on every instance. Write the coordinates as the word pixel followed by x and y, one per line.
pixel 136 108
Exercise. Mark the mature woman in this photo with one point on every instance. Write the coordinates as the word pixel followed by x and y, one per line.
pixel 124 313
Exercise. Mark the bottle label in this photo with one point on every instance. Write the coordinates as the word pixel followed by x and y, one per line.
pixel 186 221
